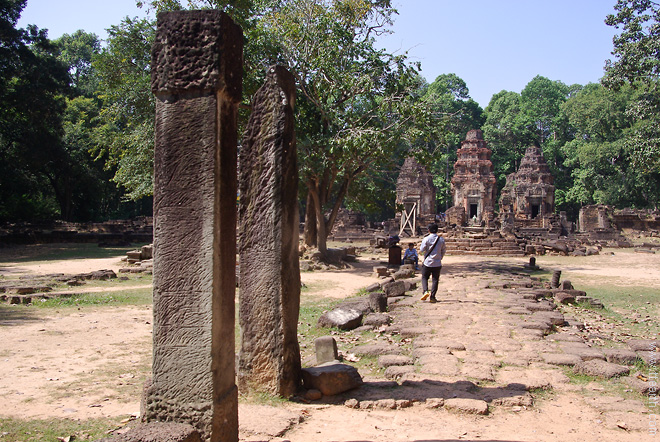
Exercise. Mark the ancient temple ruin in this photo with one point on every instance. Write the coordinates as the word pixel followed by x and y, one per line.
pixel 529 193
pixel 415 197
pixel 473 184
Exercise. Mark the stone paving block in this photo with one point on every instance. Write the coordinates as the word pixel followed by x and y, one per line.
pixel 445 365
pixel 644 344
pixel 397 371
pixel 599 368
pixel 561 358
pixel 467 406
pixel 376 349
pixel 390 360
pixel 427 351
pixel 478 371
pixel 586 354
pixel 564 336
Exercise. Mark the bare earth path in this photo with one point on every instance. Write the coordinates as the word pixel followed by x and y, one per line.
pixel 477 343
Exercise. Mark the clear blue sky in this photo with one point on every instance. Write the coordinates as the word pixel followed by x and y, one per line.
pixel 492 45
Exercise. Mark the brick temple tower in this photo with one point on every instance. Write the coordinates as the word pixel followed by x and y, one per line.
pixel 473 185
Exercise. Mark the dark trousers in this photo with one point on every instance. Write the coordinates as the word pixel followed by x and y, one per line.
pixel 434 273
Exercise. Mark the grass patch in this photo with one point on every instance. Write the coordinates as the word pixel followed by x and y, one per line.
pixel 141 296
pixel 48 430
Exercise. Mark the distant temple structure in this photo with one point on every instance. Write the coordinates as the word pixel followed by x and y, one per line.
pixel 473 185
pixel 415 197
pixel 529 193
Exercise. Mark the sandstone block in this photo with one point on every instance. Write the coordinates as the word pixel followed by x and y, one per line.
pixel 468 406
pixel 393 289
pixel 326 349
pixel 620 356
pixel 597 367
pixel 331 378
pixel 342 318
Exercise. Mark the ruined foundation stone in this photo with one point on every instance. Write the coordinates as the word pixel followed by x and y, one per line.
pixel 269 275
pixel 196 77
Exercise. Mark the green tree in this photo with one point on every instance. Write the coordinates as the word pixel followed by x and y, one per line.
pixel 455 113
pixel 637 63
pixel 77 51
pixel 32 84
pixel 599 157
pixel 126 136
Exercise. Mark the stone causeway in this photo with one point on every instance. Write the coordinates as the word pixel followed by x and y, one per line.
pixel 495 338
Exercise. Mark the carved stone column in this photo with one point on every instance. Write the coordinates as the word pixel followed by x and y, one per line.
pixel 197 65
pixel 269 282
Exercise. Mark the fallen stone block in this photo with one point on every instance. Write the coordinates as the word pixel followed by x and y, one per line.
pixel 378 301
pixel 157 431
pixel 376 319
pixel 393 289
pixel 644 344
pixel 331 378
pixel 599 368
pixel 342 318
pixel 468 406
pixel 620 356
pixel 390 360
pixel 561 359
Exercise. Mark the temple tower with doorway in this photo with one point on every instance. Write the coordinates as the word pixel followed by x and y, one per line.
pixel 473 184
pixel 415 197
pixel 530 192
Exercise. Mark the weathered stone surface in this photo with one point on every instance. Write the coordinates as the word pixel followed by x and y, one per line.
pixel 197 80
pixel 585 353
pixel 396 371
pixel 269 280
pixel 331 378
pixel 197 51
pixel 468 406
pixel 376 349
pixel 561 358
pixel 554 317
pixel 376 319
pixel 326 349
pixel 393 289
pixel 342 318
pixel 597 367
pixel 411 332
pixel 378 301
pixel 565 337
pixel 404 274
pixel 620 356
pixel 390 360
pixel 565 297
pixel 157 432
pixel 644 344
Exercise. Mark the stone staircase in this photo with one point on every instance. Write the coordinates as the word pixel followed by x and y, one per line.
pixel 485 246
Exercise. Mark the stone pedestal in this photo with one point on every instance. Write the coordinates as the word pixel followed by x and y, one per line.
pixel 269 275
pixel 196 77
pixel 394 258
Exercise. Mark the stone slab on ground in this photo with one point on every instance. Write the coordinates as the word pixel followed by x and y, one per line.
pixel 390 360
pixel 620 356
pixel 561 358
pixel 599 368
pixel 331 378
pixel 468 406
pixel 263 420
pixel 158 431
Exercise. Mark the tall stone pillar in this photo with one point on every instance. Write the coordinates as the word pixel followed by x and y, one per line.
pixel 269 279
pixel 196 77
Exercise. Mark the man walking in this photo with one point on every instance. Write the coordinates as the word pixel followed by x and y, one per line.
pixel 433 247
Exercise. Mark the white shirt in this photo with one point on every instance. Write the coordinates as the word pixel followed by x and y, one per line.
pixel 433 259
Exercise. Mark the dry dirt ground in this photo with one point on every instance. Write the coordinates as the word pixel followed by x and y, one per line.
pixel 90 362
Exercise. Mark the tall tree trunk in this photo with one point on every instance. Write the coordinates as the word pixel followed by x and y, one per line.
pixel 309 233
pixel 321 235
